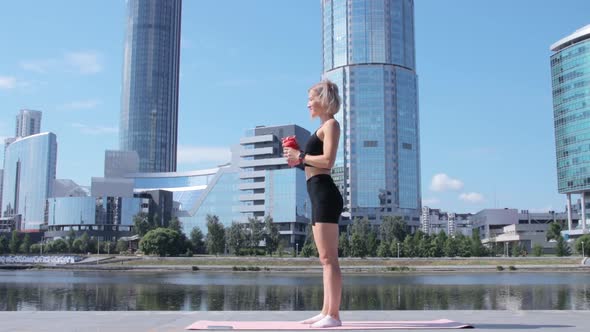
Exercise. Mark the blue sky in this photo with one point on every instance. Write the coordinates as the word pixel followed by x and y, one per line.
pixel 484 83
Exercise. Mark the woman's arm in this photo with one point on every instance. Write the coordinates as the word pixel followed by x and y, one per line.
pixel 326 160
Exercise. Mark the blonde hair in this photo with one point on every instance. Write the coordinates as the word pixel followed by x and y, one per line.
pixel 329 98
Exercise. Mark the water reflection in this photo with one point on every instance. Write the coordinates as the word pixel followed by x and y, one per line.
pixel 64 290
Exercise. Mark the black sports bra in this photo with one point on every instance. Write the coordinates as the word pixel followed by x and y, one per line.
pixel 314 147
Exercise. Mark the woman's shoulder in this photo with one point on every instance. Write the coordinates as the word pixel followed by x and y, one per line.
pixel 332 124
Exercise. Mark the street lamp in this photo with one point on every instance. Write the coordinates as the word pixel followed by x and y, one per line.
pixel 583 252
pixel 296 249
pixel 398 250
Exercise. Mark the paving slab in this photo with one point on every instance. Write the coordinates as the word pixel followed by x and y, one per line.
pixel 168 321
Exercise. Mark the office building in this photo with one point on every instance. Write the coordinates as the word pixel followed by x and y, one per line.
pixel 29 175
pixel 368 51
pixel 570 77
pixel 149 100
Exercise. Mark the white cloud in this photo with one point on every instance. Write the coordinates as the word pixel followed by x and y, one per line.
pixel 471 197
pixel 7 82
pixel 81 104
pixel 442 182
pixel 82 62
pixel 39 66
pixel 430 201
pixel 198 154
pixel 94 130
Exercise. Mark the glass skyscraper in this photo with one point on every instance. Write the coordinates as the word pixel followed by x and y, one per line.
pixel 368 51
pixel 29 173
pixel 570 77
pixel 149 101
pixel 28 122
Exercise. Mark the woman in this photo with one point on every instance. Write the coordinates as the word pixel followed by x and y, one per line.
pixel 326 200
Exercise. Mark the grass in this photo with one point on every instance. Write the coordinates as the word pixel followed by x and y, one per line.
pixel 287 261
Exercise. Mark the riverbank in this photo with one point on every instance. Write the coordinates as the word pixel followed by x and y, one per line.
pixel 488 320
pixel 300 264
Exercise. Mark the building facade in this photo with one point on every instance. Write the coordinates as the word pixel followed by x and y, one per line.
pixel 434 221
pixel 29 174
pixel 269 187
pixel 28 122
pixel 368 51
pixel 196 194
pixel 570 77
pixel 149 101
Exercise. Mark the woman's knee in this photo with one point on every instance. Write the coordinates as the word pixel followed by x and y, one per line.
pixel 328 260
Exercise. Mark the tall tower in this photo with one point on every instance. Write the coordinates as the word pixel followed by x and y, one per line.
pixel 570 65
pixel 368 51
pixel 149 100
pixel 28 122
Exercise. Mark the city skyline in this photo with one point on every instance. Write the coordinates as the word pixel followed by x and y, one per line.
pixel 233 77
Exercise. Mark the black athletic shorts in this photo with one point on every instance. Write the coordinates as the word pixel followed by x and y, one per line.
pixel 326 200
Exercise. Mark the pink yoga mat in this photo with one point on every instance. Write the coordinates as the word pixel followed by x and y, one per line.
pixel 346 325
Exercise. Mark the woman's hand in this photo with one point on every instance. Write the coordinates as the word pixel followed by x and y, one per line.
pixel 292 156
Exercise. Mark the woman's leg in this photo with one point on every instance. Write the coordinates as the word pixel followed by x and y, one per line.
pixel 326 239
pixel 326 305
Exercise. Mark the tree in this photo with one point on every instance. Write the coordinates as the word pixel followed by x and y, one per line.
pixel 271 235
pixel 36 247
pixel 343 245
pixel 25 246
pixel 578 245
pixel 71 238
pixel 372 244
pixel 84 245
pixel 236 238
pixel 409 247
pixel 384 249
pixel 122 246
pixel 360 233
pixel 197 240
pixel 464 246
pixel 562 249
pixel 358 246
pixel 477 248
pixel 393 228
pixel 255 234
pixel 395 247
pixel 3 244
pixel 554 231
pixel 451 248
pixel 59 246
pixel 14 243
pixel 175 225
pixel 215 236
pixel 142 224
pixel 538 250
pixel 161 241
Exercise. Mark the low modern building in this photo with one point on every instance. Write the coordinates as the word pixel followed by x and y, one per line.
pixel 108 212
pixel 511 225
pixel 196 194
pixel 524 235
